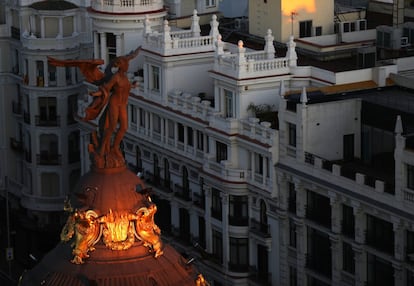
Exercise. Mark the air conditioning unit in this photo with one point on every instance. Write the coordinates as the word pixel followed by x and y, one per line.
pixel 404 42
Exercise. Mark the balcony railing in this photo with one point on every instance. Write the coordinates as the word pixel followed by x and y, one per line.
pixel 259 228
pixel 182 192
pixel 47 121
pixel 199 200
pixel 48 159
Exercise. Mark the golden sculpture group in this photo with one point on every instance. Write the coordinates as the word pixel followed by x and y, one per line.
pixel 117 229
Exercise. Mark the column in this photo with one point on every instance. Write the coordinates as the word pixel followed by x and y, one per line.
pixel 60 33
pixel 360 254
pixel 42 26
pixel 336 256
pixel 301 250
pixel 162 131
pixel 225 229
pixel 335 213
pixel 207 218
pixel 103 48
pixel 118 45
pixel 96 45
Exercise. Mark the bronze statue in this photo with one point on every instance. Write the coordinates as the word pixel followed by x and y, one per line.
pixel 113 95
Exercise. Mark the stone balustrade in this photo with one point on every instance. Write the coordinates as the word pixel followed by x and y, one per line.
pixel 126 6
pixel 59 43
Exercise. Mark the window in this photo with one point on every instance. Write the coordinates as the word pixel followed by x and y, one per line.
pixel 362 25
pixel 210 3
pixel 156 121
pixel 379 271
pixel 170 129
pixel 305 29
pixel 238 206
pixel 221 152
pixel 167 174
pixel 292 198
pixel 217 246
pixel 190 136
pixel 216 209
pixel 52 75
pixel 50 184
pixel 318 31
pixel 319 256
pixel 292 134
pixel 72 107
pixel 348 221
pixel 346 27
pixel 380 234
pixel 47 109
pixel 348 258
pixel 184 225
pixel 228 104
pixel 73 147
pixel 258 164
pixel 318 209
pixel 239 254
pixel 293 276
pixel 155 79
pixel 201 232
pixel 141 117
pixel 409 247
pixel 133 114
pixel 68 75
pixel 180 132
pixel 200 140
pixel 292 233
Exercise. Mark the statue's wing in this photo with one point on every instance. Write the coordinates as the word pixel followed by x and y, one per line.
pixel 89 68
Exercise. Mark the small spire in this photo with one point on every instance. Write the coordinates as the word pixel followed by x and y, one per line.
pixel 291 52
pixel 195 24
pixel 398 125
pixel 304 96
pixel 269 47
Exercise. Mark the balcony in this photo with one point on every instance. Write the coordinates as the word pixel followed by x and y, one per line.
pixel 35 42
pixel 127 6
pixel 47 121
pixel 259 228
pixel 46 158
pixel 182 193
pixel 199 200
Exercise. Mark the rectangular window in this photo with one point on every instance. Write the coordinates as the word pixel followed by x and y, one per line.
pixel 190 136
pixel 217 244
pixel 216 209
pixel 318 31
pixel 141 117
pixel 228 104
pixel 201 232
pixel 409 247
pixel 348 221
pixel 239 254
pixel 292 234
pixel 180 132
pixel 292 134
pixel 238 214
pixel 170 129
pixel 221 152
pixel 210 3
pixel 155 79
pixel 133 113
pixel 156 121
pixel 347 27
pixel 258 164
pixel 318 208
pixel 380 234
pixel 292 198
pixel 293 276
pixel 47 108
pixel 362 25
pixel 305 29
pixel 52 75
pixel 348 259
pixel 200 140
